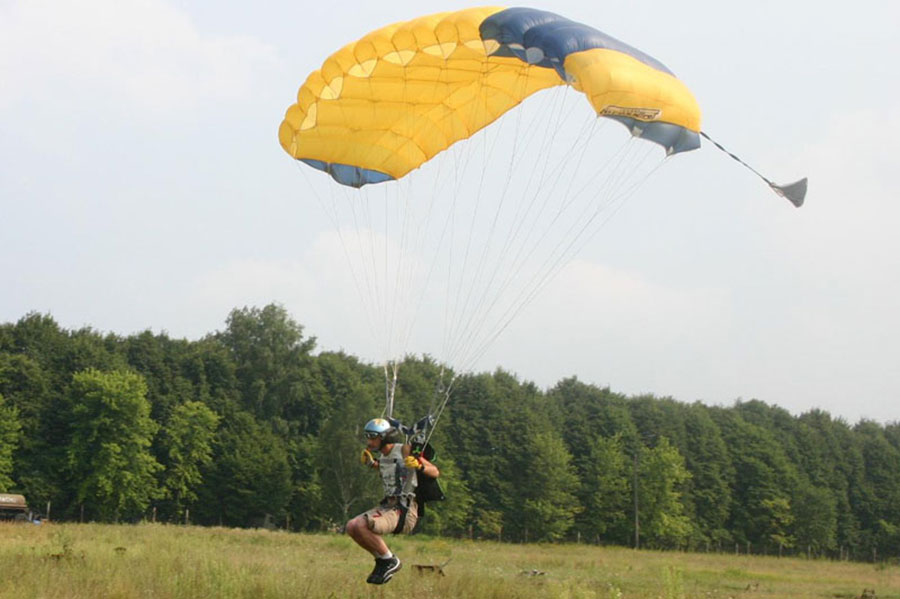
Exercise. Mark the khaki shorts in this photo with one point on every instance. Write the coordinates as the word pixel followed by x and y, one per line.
pixel 382 520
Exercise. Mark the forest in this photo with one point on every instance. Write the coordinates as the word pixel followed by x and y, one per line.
pixel 254 426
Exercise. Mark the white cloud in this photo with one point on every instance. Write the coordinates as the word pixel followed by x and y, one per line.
pixel 316 288
pixel 144 53
pixel 616 327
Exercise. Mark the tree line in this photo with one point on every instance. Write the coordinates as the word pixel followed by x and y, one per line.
pixel 249 426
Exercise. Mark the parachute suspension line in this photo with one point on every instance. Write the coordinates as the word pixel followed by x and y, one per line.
pixel 488 151
pixel 358 201
pixel 585 131
pixel 431 265
pixel 579 235
pixel 512 274
pixel 422 231
pixel 526 210
pixel 445 398
pixel 794 192
pixel 616 198
pixel 442 393
pixel 452 308
pixel 393 294
pixel 438 391
pixel 573 247
pixel 332 216
pixel 439 401
pixel 485 304
pixel 522 215
pixel 478 286
pixel 461 166
pixel 523 253
pixel 417 244
pixel 359 206
pixel 396 295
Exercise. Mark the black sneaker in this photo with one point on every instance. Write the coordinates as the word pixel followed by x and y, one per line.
pixel 384 570
pixel 371 577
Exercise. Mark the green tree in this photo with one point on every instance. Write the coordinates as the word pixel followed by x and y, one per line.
pixel 604 493
pixel 249 479
pixel 490 523
pixel 548 498
pixel 108 455
pixel 834 462
pixel 661 479
pixel 304 508
pixel 274 368
pixel 478 431
pixel 453 515
pixel 585 411
pixel 880 492
pixel 9 440
pixel 39 396
pixel 815 518
pixel 708 496
pixel 347 487
pixel 778 521
pixel 763 480
pixel 188 438
pixel 281 386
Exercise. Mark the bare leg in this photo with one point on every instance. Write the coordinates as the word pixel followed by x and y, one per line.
pixel 358 529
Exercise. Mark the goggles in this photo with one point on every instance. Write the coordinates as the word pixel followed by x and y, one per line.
pixel 371 435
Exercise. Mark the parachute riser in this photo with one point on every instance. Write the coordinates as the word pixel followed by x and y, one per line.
pixel 442 396
pixel 419 434
pixel 390 387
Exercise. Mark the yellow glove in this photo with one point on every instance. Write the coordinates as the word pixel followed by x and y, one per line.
pixel 366 458
pixel 412 463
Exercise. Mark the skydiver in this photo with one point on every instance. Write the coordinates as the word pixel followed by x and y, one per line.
pixel 397 512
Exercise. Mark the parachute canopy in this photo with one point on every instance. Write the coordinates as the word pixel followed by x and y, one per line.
pixel 384 105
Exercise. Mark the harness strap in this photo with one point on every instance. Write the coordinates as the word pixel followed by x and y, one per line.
pixel 402 521
pixel 403 506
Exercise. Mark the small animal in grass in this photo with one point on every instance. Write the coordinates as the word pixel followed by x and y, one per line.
pixel 431 568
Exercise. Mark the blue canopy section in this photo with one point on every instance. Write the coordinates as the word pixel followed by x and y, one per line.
pixel 546 39
pixel 346 174
pixel 674 138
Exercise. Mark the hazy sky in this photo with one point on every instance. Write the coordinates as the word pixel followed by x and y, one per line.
pixel 142 186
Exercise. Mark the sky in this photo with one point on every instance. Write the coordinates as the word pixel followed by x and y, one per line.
pixel 142 186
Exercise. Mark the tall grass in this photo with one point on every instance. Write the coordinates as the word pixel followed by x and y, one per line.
pixel 69 561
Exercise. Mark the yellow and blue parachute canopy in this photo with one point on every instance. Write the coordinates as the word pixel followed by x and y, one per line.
pixel 384 105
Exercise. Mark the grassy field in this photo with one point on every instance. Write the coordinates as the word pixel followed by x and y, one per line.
pixel 159 561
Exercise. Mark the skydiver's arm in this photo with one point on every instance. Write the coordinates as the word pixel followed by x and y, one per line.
pixel 425 467
pixel 428 469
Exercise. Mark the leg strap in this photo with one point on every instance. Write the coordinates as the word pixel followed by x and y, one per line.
pixel 404 509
